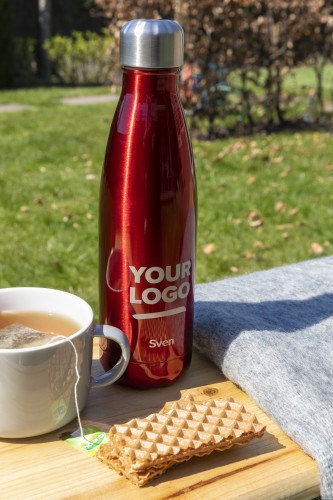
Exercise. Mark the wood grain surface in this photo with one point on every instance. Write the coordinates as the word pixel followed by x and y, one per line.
pixel 46 467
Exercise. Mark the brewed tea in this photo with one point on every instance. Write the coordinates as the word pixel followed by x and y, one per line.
pixel 20 329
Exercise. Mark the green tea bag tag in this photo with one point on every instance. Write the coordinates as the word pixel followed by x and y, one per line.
pixel 89 443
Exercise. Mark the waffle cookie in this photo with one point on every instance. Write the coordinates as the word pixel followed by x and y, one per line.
pixel 144 448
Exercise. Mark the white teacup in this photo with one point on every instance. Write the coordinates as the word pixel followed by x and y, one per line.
pixel 37 383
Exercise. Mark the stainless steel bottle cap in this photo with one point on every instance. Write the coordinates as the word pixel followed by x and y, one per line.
pixel 152 43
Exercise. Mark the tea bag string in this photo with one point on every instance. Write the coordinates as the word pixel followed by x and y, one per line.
pixel 54 339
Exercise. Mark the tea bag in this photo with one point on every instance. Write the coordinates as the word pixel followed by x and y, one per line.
pixel 18 336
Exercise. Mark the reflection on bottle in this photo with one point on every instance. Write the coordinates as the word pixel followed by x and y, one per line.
pixel 117 271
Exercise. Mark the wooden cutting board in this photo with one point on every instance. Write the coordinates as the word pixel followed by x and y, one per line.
pixel 272 467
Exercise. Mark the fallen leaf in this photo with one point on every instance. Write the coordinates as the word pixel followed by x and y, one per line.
pixel 238 145
pixel 256 223
pixel 277 160
pixel 236 221
pixel 209 248
pixel 280 206
pixel 282 227
pixel 316 248
pixel 90 177
pixel 42 170
pixel 24 208
pixel 254 219
pixel 293 211
pixel 249 255
pixel 89 216
pixel 251 180
pixel 259 244
pixel 234 269
pixel 234 147
pixel 275 148
pixel 285 235
pixel 89 164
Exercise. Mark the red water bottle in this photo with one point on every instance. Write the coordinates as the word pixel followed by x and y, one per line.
pixel 148 210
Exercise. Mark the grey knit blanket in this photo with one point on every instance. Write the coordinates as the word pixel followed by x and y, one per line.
pixel 271 332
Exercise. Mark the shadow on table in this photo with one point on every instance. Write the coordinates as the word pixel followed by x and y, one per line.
pixel 110 405
pixel 117 401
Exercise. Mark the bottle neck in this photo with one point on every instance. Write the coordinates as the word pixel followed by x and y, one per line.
pixel 153 81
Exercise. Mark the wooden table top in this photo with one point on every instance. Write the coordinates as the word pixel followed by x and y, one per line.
pixel 268 468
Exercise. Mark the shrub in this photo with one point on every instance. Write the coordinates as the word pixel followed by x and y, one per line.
pixel 239 53
pixel 82 59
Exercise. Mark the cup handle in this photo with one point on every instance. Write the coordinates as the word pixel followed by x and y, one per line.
pixel 112 333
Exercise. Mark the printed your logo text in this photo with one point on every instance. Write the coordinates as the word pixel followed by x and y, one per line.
pixel 155 275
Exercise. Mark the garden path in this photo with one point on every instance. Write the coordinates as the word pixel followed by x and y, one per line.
pixel 12 107
pixel 72 101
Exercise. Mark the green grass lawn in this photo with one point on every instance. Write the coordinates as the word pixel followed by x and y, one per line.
pixel 303 78
pixel 263 201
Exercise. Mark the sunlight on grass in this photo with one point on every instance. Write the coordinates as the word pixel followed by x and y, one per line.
pixel 263 201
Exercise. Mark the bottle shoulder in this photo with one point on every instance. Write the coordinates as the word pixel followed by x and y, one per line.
pixel 149 115
pixel 143 107
pixel 149 124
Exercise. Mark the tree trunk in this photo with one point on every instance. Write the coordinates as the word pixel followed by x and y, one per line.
pixel 246 105
pixel 44 9
pixel 278 95
pixel 269 97
pixel 319 70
